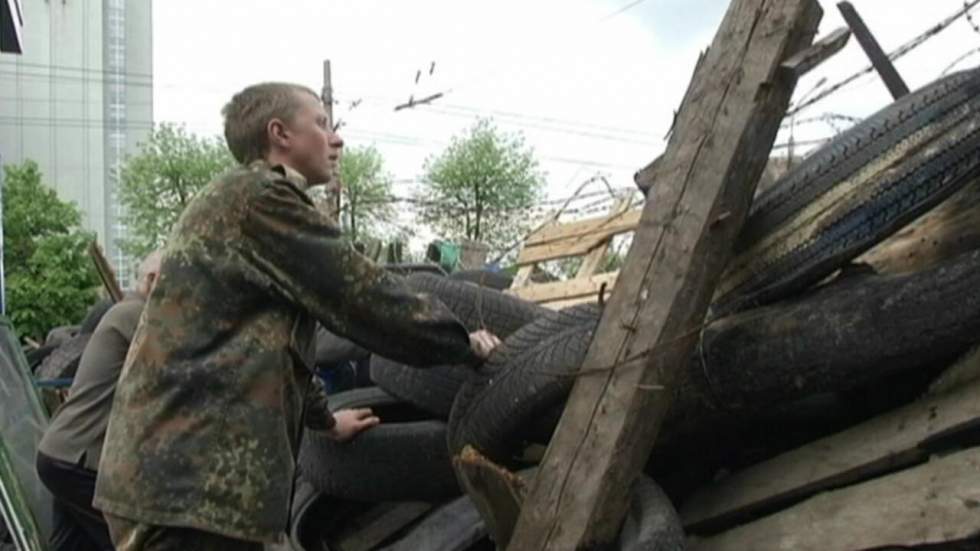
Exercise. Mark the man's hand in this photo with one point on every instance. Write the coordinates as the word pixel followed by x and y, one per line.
pixel 483 342
pixel 350 422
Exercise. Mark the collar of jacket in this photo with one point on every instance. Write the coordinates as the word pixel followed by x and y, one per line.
pixel 290 174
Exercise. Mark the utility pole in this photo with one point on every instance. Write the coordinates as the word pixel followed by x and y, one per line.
pixel 334 186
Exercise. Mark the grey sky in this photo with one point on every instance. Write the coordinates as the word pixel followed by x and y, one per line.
pixel 590 92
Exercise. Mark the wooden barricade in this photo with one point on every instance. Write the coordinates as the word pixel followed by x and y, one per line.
pixel 589 238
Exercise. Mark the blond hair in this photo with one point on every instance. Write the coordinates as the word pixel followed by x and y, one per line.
pixel 249 112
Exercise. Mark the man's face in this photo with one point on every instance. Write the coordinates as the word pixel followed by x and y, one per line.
pixel 314 149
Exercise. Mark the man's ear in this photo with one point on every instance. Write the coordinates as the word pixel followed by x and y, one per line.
pixel 278 133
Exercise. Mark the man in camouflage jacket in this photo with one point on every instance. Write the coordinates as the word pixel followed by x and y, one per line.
pixel 204 428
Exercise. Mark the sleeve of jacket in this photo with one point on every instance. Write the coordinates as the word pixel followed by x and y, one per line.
pixel 302 256
pixel 318 414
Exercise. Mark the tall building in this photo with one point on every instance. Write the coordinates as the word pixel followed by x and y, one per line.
pixel 78 100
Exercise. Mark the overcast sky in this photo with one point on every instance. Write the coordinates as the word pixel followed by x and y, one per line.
pixel 592 84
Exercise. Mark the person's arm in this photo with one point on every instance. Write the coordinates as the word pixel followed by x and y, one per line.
pixel 300 255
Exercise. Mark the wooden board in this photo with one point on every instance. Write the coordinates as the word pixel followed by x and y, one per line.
pixel 544 293
pixel 575 238
pixel 933 503
pixel 496 492
pixel 821 51
pixel 900 438
pixel 879 60
pixel 105 272
pixel 724 132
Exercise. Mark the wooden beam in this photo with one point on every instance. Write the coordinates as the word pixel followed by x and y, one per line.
pixel 496 492
pixel 600 227
pixel 593 260
pixel 822 50
pixel 564 290
pixel 575 238
pixel 724 132
pixel 886 70
pixel 565 303
pixel 106 274
pixel 523 276
pixel 646 176
pixel 903 437
pixel 930 504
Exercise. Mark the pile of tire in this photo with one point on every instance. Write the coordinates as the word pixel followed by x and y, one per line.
pixel 843 199
pixel 408 456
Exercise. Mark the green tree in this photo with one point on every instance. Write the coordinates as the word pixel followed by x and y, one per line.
pixel 50 279
pixel 476 188
pixel 158 182
pixel 366 199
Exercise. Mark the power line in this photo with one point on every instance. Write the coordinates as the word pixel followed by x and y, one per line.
pixel 447 107
pixel 959 60
pixel 547 128
pixel 894 55
pixel 621 10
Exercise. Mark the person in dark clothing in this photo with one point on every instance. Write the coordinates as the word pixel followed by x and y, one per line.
pixel 69 452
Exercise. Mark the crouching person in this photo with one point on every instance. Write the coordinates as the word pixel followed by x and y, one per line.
pixel 71 447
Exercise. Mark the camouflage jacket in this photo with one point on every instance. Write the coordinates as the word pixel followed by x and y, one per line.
pixel 204 426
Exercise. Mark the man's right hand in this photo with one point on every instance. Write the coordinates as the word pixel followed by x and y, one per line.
pixel 483 342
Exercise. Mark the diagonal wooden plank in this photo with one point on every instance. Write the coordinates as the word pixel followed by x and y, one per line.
pixel 930 504
pixel 821 51
pixel 562 290
pixel 900 438
pixel 724 132
pixel 594 258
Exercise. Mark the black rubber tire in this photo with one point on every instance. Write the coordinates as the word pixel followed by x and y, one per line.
pixel 527 377
pixel 942 125
pixel 431 389
pixel 402 459
pixel 853 149
pixel 455 526
pixel 305 500
pixel 332 349
pixel 652 523
pixel 479 307
pixel 484 278
pixel 63 361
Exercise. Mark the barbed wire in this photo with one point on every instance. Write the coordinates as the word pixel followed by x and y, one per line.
pixel 896 54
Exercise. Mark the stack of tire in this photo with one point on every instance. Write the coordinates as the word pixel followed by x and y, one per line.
pixel 427 413
pixel 846 197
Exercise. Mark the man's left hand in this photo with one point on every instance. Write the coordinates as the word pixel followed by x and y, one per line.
pixel 350 422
